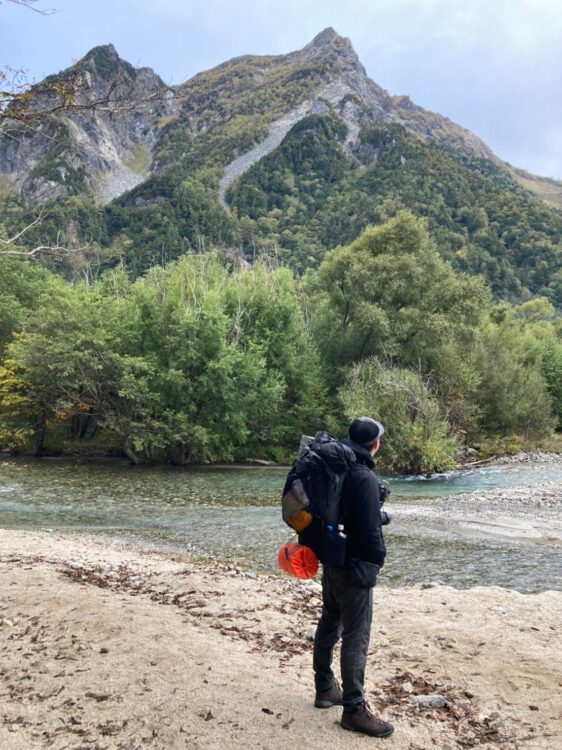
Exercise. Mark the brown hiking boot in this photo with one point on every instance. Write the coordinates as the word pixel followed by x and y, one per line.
pixel 363 720
pixel 329 698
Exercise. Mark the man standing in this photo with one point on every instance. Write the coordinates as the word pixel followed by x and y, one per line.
pixel 347 592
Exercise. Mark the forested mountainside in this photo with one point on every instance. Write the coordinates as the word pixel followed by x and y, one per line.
pixel 286 155
pixel 396 267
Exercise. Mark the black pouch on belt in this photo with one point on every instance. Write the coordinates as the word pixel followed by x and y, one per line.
pixel 361 573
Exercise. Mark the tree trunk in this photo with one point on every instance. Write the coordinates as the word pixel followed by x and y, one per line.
pixel 83 426
pixel 41 434
pixel 128 451
pixel 177 454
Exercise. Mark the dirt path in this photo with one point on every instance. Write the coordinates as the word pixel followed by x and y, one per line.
pixel 105 647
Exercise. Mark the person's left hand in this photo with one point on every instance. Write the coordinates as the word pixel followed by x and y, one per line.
pixel 385 518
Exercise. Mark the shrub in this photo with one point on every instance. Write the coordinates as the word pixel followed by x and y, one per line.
pixel 416 438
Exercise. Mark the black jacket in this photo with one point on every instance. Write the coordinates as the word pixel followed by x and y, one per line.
pixel 363 523
pixel 362 517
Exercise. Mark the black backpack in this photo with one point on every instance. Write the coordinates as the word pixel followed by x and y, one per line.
pixel 316 485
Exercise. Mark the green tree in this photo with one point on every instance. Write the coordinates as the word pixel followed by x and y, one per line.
pixel 417 437
pixel 192 362
pixel 513 396
pixel 229 349
pixel 542 329
pixel 390 294
pixel 551 354
pixel 21 284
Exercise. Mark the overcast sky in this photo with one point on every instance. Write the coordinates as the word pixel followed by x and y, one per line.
pixel 493 66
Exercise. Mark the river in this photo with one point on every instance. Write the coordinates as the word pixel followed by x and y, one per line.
pixel 233 513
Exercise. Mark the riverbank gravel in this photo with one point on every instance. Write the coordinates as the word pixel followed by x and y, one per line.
pixel 531 512
pixel 538 457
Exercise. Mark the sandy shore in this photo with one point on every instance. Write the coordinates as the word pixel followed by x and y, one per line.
pixel 106 647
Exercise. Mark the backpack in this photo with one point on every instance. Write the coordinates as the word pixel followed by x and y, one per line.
pixel 315 487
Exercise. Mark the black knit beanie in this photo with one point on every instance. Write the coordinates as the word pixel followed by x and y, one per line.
pixel 365 431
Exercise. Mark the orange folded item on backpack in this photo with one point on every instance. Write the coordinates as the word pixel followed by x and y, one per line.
pixel 298 560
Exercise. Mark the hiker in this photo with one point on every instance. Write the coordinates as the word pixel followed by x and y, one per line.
pixel 347 591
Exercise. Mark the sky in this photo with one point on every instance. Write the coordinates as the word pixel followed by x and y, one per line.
pixel 493 66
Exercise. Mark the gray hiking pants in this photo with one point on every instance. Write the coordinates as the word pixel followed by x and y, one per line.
pixel 347 612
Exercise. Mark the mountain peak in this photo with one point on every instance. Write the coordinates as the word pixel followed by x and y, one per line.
pixel 107 50
pixel 327 36
pixel 103 60
pixel 328 43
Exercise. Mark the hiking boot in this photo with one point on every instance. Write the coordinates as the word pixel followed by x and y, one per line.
pixel 363 720
pixel 329 698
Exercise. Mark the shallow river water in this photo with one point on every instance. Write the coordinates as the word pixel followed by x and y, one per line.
pixel 233 512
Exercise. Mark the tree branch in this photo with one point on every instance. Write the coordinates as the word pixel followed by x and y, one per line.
pixel 12 247
pixel 30 4
pixel 21 102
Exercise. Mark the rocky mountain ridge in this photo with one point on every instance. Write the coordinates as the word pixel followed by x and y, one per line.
pixel 288 155
pixel 119 130
pixel 99 141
